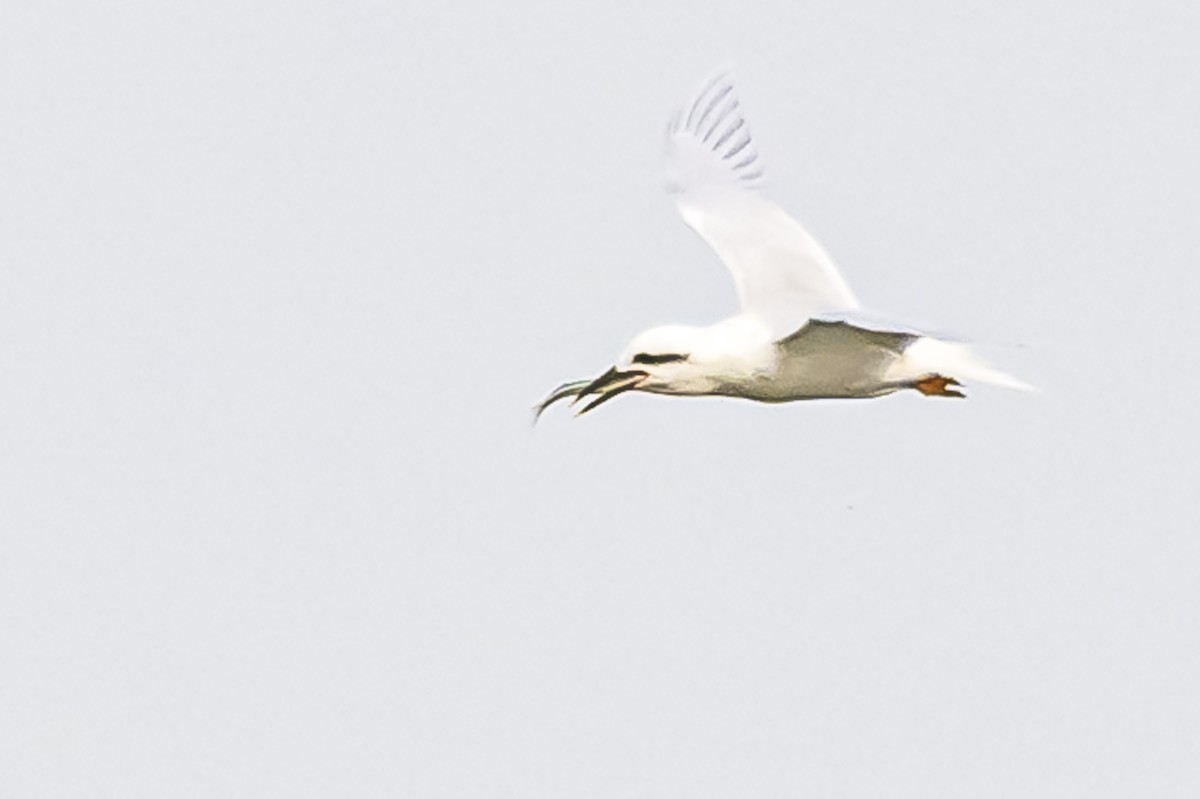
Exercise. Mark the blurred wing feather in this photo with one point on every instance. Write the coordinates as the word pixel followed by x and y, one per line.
pixel 782 274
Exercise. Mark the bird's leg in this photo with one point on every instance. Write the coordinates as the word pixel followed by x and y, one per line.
pixel 936 385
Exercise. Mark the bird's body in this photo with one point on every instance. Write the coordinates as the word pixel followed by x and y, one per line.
pixel 801 333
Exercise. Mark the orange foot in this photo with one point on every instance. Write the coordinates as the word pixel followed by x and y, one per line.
pixel 938 386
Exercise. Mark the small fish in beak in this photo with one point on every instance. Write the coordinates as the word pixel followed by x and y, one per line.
pixel 562 392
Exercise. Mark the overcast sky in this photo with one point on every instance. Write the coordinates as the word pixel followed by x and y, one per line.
pixel 280 282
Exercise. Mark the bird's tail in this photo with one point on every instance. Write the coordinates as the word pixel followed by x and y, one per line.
pixel 927 356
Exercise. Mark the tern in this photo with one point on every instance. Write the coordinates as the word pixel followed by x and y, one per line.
pixel 801 333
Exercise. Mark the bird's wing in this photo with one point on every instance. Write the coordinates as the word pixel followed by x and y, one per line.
pixel 782 274
pixel 838 338
pixel 846 352
pixel 839 357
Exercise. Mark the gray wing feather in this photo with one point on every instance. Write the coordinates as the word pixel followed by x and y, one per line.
pixel 823 335
pixel 837 359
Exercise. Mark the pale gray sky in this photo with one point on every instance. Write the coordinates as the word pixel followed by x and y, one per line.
pixel 279 283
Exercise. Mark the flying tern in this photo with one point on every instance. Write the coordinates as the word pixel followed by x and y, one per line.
pixel 801 333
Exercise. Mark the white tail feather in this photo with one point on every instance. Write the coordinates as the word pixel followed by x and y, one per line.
pixel 927 356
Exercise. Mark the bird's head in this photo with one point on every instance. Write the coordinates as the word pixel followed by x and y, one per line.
pixel 672 359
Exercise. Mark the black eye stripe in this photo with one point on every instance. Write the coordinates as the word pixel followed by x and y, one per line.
pixel 645 357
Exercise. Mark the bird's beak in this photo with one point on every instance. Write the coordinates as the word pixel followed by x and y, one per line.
pixel 606 386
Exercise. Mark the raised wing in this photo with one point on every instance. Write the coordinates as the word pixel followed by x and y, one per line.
pixel 782 274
